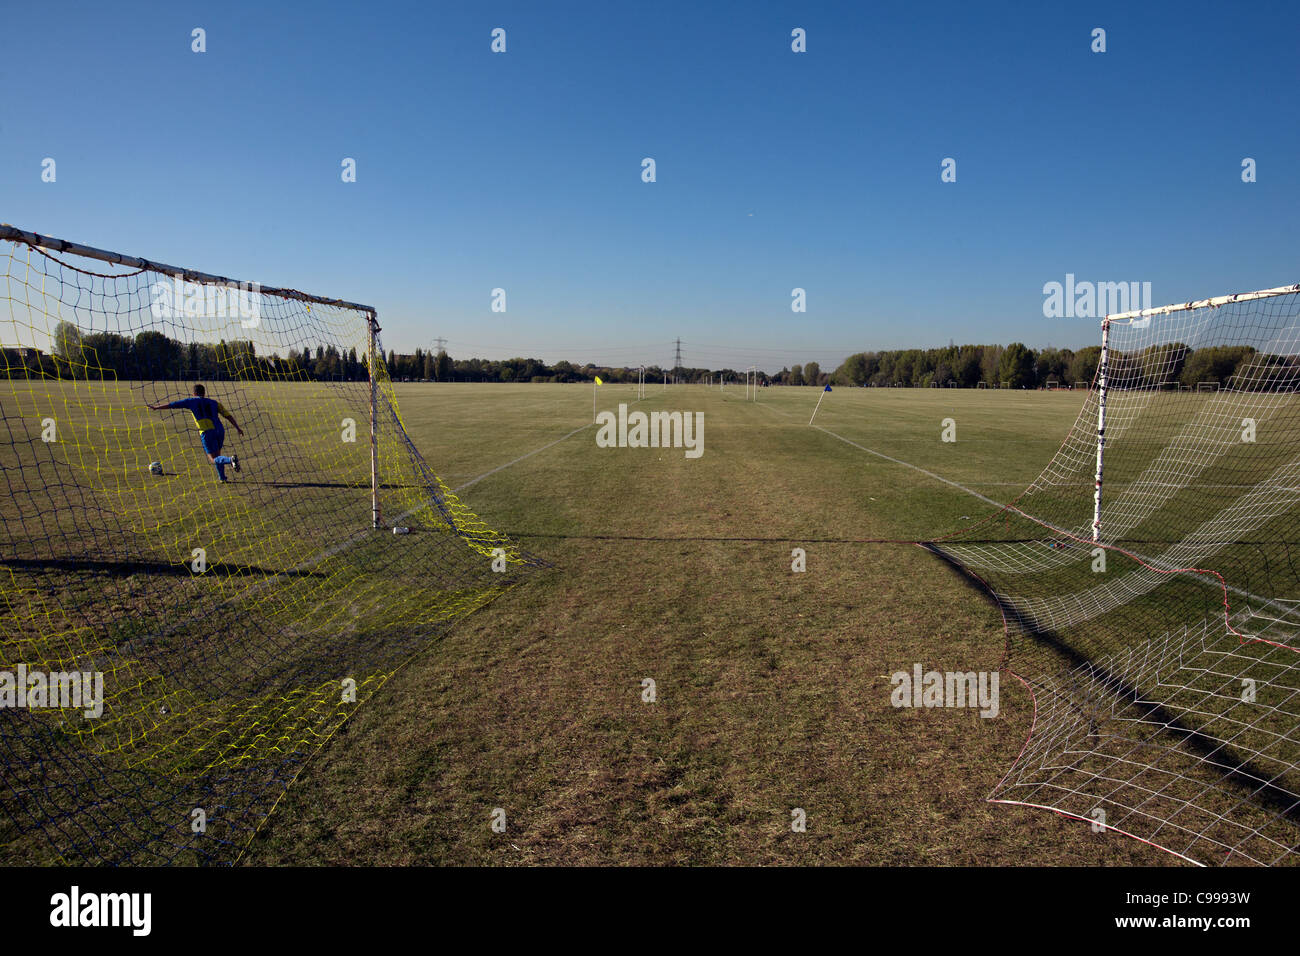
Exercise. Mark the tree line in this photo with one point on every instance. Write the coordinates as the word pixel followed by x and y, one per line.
pixel 969 366
pixel 151 355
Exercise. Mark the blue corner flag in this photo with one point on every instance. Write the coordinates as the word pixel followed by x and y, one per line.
pixel 827 388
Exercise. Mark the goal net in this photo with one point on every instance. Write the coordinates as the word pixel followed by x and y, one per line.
pixel 1164 656
pixel 174 649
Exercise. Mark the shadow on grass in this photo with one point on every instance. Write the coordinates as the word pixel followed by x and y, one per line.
pixel 1253 782
pixel 122 569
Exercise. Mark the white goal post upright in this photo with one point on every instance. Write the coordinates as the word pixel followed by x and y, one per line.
pixel 1101 427
pixel 373 367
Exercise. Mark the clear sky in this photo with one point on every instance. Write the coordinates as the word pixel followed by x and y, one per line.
pixel 775 169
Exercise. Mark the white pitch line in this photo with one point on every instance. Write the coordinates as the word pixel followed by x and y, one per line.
pixel 363 535
pixel 1000 505
pixel 474 481
pixel 535 451
pixel 906 464
pixel 357 538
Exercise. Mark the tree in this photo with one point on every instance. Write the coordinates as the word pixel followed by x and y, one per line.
pixel 1016 367
pixel 853 371
pixel 1053 364
pixel 812 373
pixel 107 355
pixel 1083 366
pixel 966 367
pixel 326 365
pixel 442 367
pixel 796 375
pixel 156 356
pixel 1215 364
pixel 991 364
pixel 1162 364
pixel 67 348
pixel 884 371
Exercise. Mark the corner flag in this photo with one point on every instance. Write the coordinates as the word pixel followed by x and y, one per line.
pixel 598 381
pixel 819 403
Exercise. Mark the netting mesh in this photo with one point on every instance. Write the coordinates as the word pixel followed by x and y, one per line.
pixel 1164 658
pixel 234 626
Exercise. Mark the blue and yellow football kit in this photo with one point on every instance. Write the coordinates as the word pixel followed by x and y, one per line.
pixel 212 433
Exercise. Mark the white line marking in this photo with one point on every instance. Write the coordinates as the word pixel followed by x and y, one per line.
pixel 1000 506
pixel 475 481
pixel 899 461
pixel 361 536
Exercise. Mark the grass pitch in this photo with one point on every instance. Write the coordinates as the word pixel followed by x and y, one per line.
pixel 772 687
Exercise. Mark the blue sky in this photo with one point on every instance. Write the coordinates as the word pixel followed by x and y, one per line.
pixel 775 170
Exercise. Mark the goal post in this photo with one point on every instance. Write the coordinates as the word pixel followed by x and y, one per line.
pixel 220 582
pixel 208 281
pixel 1102 364
pixel 1155 358
pixel 1148 575
pixel 372 322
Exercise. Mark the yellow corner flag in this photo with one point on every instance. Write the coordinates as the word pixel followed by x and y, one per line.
pixel 598 381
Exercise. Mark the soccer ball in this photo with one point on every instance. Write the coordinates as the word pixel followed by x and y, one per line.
pixel 155 468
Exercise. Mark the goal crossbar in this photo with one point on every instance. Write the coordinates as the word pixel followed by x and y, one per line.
pixel 145 265
pixel 1204 303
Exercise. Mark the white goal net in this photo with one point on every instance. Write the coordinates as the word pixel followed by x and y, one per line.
pixel 1164 657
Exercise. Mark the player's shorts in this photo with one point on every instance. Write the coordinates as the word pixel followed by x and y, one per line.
pixel 212 440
